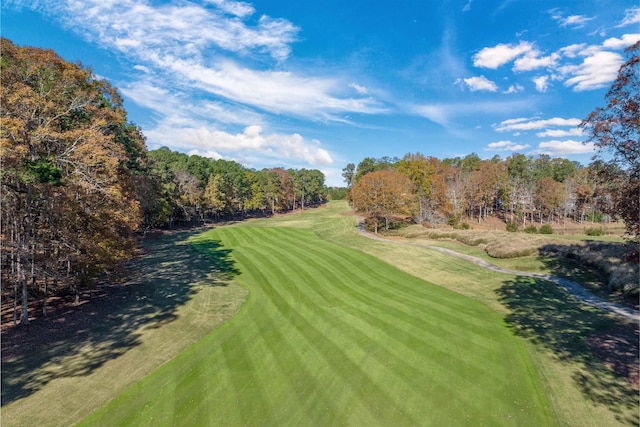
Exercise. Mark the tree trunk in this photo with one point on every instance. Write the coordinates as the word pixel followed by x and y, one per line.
pixel 44 297
pixel 15 302
pixel 24 318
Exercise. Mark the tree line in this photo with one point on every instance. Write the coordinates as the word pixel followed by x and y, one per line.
pixel 79 185
pixel 523 189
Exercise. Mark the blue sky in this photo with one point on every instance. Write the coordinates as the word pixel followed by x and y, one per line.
pixel 319 84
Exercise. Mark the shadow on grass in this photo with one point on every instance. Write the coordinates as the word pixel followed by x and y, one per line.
pixel 74 341
pixel 547 316
pixel 592 264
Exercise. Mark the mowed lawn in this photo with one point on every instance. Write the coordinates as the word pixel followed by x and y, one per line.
pixel 332 336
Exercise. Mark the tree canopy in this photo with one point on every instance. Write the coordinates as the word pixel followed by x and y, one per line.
pixel 615 130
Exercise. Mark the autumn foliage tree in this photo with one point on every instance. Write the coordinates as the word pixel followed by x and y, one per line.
pixel 71 169
pixel 615 130
pixel 383 195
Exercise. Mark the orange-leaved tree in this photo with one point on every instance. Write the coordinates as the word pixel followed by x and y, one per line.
pixel 383 195
pixel 69 166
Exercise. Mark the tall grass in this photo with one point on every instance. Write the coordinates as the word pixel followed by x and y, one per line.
pixel 607 257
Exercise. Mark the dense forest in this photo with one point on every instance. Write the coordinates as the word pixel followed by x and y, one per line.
pixel 521 189
pixel 78 184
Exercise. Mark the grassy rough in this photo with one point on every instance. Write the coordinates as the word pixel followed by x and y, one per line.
pixel 608 257
pixel 174 297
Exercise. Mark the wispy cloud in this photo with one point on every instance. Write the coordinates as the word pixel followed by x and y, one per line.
pixel 523 124
pixel 505 146
pixel 573 21
pixel 560 133
pixel 237 8
pixel 631 16
pixel 621 43
pixel 178 29
pixel 541 82
pixel 480 84
pixel 362 90
pixel 201 48
pixel 494 57
pixel 564 148
pixel 207 69
pixel 596 70
pixel 446 113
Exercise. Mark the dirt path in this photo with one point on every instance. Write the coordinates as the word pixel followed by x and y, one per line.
pixel 574 289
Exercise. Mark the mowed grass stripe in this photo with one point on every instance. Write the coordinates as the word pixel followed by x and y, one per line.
pixel 454 365
pixel 402 360
pixel 401 303
pixel 348 379
pixel 314 346
pixel 387 279
pixel 402 328
pixel 266 274
pixel 285 281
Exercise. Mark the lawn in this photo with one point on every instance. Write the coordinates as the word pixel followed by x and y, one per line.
pixel 330 335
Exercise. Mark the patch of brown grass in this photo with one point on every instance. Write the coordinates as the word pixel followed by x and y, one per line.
pixel 609 258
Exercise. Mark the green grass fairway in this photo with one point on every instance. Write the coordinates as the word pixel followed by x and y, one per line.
pixel 332 336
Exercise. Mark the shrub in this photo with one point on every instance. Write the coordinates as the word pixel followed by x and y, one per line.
pixel 462 226
pixel 452 220
pixel 531 229
pixel 594 231
pixel 546 229
pixel 512 226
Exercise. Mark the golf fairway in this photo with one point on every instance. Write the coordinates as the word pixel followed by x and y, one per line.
pixel 332 336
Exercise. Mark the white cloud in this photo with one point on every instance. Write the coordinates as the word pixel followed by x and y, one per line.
pixel 541 82
pixel 237 8
pixel 275 91
pixel 514 89
pixel 177 29
pixel 440 114
pixel 596 71
pixel 480 84
pixel 184 45
pixel 360 89
pixel 560 133
pixel 177 107
pixel 494 57
pixel 574 21
pixel 251 141
pixel 622 43
pixel 631 16
pixel 527 124
pixel 573 50
pixel 532 60
pixel 445 113
pixel 505 146
pixel 568 147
